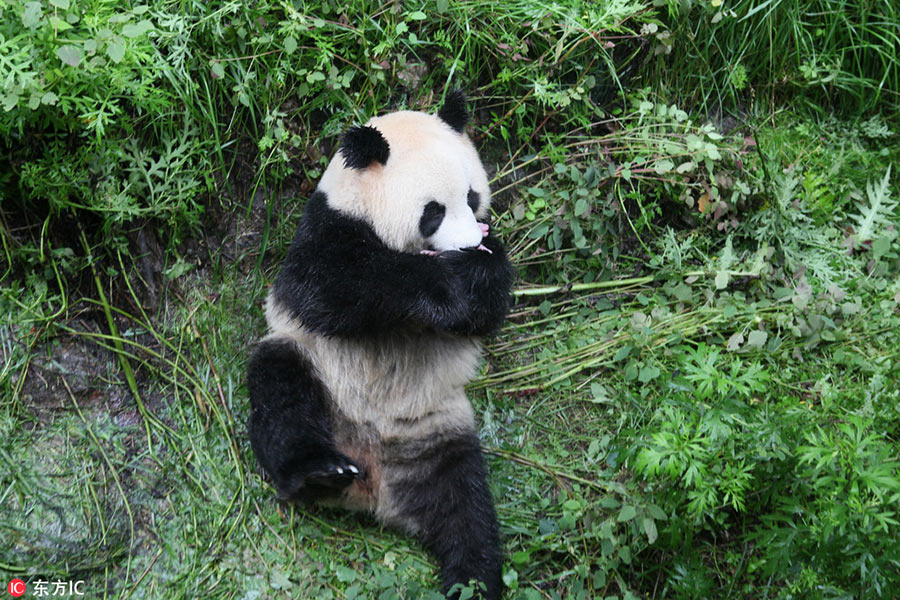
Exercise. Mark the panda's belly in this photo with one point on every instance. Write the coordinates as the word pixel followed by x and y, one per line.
pixel 408 385
pixel 392 383
pixel 396 393
pixel 405 391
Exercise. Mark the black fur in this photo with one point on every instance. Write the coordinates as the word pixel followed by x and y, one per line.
pixel 340 279
pixel 473 200
pixel 431 219
pixel 290 429
pixel 454 112
pixel 361 145
pixel 445 495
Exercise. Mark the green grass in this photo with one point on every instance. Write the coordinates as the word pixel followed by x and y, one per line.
pixel 825 54
pixel 696 394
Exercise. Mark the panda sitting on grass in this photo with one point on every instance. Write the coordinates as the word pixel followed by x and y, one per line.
pixel 375 321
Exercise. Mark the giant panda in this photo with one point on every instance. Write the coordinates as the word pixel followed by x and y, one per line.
pixel 375 320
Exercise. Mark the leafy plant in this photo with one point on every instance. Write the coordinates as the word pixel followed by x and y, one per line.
pixel 877 213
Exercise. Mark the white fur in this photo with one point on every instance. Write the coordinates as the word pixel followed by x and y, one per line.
pixel 428 161
pixel 391 383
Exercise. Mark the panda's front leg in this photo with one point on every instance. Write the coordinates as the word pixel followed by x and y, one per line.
pixel 438 489
pixel 290 424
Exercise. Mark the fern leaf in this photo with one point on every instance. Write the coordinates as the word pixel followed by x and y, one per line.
pixel 878 213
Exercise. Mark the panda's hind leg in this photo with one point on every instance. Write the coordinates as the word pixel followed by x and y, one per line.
pixel 438 489
pixel 290 424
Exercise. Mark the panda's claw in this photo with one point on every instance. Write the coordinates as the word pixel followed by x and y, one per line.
pixel 336 475
pixel 429 252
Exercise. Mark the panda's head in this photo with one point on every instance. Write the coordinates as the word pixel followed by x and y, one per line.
pixel 415 178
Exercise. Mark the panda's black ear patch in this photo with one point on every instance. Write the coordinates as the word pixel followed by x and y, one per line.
pixel 362 145
pixel 454 112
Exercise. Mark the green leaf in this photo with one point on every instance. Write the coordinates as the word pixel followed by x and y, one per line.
pixel 599 394
pixel 656 512
pixel 648 374
pixel 32 14
pixel 178 269
pixel 511 578
pixel 69 54
pixel 49 98
pixel 58 24
pixel 61 4
pixel 627 513
pixel 9 101
pixel 217 70
pixel 712 152
pixel 734 342
pixel 663 166
pixel 682 292
pixel 418 16
pixel 133 30
pixel 757 338
pixel 581 207
pixel 442 6
pixel 290 44
pixel 115 50
pixel 650 529
pixel 621 353
pixel 722 278
pixel 279 581
pixel 572 505
pixel 878 213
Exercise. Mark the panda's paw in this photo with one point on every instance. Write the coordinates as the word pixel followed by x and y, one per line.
pixel 335 474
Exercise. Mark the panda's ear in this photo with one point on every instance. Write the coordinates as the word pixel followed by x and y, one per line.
pixel 362 145
pixel 453 112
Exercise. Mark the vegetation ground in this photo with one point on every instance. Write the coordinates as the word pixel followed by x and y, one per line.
pixel 697 394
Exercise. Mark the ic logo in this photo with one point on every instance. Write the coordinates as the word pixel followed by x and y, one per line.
pixel 16 587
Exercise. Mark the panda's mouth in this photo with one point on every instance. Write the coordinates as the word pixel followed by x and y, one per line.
pixel 429 249
pixel 431 252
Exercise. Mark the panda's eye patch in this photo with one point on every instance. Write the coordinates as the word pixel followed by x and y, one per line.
pixel 473 200
pixel 431 219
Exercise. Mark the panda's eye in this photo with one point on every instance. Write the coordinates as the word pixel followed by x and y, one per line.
pixel 473 200
pixel 431 219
